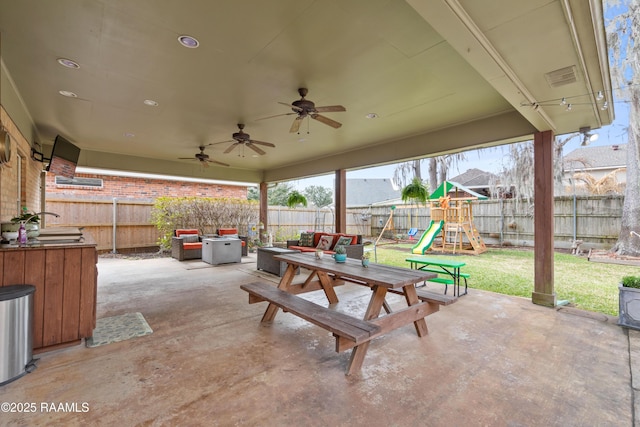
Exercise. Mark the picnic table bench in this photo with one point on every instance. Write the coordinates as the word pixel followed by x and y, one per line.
pixel 340 324
pixel 442 266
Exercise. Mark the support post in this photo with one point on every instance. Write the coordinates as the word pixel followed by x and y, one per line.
pixel 341 201
pixel 264 214
pixel 544 291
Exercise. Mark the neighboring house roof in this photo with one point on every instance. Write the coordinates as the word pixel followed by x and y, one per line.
pixel 364 192
pixel 449 186
pixel 475 178
pixel 602 157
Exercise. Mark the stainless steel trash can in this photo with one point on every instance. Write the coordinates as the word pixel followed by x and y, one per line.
pixel 16 332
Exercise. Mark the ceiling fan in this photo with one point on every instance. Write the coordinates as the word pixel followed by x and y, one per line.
pixel 242 138
pixel 305 108
pixel 203 158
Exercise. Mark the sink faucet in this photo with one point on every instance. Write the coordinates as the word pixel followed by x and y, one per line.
pixel 26 221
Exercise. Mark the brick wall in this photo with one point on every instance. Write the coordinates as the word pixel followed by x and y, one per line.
pixel 141 188
pixel 30 176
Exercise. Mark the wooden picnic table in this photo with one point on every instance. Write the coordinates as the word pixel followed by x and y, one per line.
pixel 439 266
pixel 350 332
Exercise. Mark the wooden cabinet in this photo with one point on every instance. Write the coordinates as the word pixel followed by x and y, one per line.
pixel 65 278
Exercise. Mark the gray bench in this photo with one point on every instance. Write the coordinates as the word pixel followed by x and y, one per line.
pixel 339 324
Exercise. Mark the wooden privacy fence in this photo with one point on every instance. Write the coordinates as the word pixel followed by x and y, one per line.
pixel 117 224
pixel 124 224
pixel 593 219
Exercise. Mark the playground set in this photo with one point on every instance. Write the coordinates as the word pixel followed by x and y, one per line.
pixel 451 229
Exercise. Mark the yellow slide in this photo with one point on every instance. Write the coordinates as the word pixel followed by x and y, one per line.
pixel 426 240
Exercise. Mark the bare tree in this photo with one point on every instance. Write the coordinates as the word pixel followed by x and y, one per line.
pixel 623 33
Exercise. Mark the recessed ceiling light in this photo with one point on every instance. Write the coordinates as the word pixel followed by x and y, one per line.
pixel 150 103
pixel 188 41
pixel 129 135
pixel 372 116
pixel 68 63
pixel 67 93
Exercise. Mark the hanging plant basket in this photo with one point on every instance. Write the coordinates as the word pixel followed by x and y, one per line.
pixel 415 191
pixel 296 198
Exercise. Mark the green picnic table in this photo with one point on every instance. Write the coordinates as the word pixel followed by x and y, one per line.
pixel 442 266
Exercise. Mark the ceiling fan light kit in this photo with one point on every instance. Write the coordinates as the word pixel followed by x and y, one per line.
pixel 203 158
pixel 304 108
pixel 241 138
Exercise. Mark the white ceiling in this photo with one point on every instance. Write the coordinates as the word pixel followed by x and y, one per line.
pixel 442 75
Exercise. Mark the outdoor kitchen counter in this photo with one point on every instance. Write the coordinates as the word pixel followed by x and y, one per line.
pixel 65 278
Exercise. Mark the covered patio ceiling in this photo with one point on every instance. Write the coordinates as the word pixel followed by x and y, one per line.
pixel 441 75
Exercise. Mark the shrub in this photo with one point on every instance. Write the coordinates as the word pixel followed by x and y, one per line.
pixel 631 282
pixel 207 214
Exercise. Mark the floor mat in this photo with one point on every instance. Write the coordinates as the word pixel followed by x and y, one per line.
pixel 118 328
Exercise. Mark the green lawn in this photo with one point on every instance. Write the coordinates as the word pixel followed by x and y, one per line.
pixel 587 285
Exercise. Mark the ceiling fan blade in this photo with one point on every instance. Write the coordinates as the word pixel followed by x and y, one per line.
pixel 296 124
pixel 291 106
pixel 266 144
pixel 277 115
pixel 217 162
pixel 256 149
pixel 185 158
pixel 221 142
pixel 326 120
pixel 230 148
pixel 330 109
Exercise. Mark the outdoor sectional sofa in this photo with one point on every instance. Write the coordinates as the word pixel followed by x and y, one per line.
pixel 309 241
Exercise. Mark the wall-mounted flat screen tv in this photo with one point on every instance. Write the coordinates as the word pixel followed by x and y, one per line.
pixel 64 158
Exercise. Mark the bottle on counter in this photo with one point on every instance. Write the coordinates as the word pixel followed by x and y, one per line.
pixel 22 234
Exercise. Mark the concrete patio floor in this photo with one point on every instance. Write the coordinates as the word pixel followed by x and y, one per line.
pixel 489 360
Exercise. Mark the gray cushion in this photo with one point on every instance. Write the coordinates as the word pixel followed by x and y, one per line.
pixel 190 238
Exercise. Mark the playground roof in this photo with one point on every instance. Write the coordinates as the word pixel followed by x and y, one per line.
pixel 447 186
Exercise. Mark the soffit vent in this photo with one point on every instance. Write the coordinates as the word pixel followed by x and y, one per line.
pixel 561 77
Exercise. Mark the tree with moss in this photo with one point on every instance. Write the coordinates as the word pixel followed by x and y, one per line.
pixel 623 35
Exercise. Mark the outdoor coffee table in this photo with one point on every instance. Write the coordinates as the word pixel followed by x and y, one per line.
pixel 266 262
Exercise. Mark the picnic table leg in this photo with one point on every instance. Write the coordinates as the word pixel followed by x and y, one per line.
pixel 411 297
pixel 285 282
pixel 357 357
pixel 373 310
pixel 327 286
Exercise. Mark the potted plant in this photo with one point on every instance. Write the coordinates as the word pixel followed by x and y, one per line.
pixel 296 198
pixel 319 253
pixel 31 224
pixel 340 254
pixel 415 191
pixel 365 259
pixel 629 300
